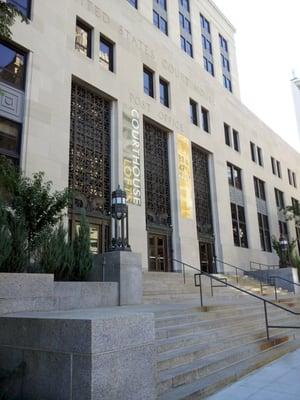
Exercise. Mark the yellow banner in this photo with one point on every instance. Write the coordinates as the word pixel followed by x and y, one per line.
pixel 184 176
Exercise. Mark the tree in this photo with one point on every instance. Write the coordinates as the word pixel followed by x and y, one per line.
pixel 8 15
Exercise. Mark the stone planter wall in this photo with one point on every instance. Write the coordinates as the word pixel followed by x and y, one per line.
pixel 39 292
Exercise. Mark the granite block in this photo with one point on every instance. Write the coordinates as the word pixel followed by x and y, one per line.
pixel 21 286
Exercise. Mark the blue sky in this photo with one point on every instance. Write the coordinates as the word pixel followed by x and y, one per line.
pixel 268 50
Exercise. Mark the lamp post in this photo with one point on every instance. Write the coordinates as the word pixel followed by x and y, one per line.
pixel 119 224
pixel 284 244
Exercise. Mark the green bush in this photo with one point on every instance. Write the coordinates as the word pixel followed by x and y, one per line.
pixel 83 260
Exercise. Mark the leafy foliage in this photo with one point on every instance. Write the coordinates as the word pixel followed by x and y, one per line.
pixel 82 255
pixel 284 257
pixel 8 15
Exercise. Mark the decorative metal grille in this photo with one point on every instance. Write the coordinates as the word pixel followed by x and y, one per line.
pixel 89 166
pixel 202 193
pixel 157 186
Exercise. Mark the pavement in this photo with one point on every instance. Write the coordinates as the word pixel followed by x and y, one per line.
pixel 279 380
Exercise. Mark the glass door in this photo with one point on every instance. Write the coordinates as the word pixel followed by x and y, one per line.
pixel 158 257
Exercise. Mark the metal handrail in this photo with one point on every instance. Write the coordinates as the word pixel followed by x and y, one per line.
pixel 269 266
pixel 285 280
pixel 212 277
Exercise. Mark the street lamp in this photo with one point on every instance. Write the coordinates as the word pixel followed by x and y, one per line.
pixel 119 225
pixel 283 244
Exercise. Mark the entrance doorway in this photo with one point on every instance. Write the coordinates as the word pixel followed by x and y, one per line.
pixel 206 257
pixel 158 253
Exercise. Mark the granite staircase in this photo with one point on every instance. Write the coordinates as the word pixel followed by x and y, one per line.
pixel 200 350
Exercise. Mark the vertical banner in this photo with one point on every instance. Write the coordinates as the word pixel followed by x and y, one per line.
pixel 184 177
pixel 132 155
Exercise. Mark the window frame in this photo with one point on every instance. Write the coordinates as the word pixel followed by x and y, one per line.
pixel 205 119
pixel 163 83
pixel 147 71
pixel 24 72
pixel 89 30
pixel 111 46
pixel 8 153
pixel 194 112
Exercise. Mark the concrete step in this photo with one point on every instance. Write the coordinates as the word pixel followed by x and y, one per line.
pixel 209 383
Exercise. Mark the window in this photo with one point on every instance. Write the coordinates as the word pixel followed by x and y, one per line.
pixel 133 3
pixel 205 25
pixel 106 54
pixel 236 142
pixel 253 153
pixel 9 138
pixel 283 229
pixel 209 67
pixel 12 66
pixel 186 46
pixel 278 169
pixel 227 134
pixel 207 45
pixel 185 4
pixel 160 15
pixel 290 176
pixel 164 92
pixel 294 179
pixel 225 63
pixel 239 225
pixel 148 82
pixel 22 5
pixel 279 199
pixel 259 156
pixel 83 38
pixel 227 83
pixel 259 188
pixel 223 43
pixel 264 232
pixel 273 166
pixel 234 176
pixel 298 237
pixel 194 112
pixel 205 119
pixel 185 23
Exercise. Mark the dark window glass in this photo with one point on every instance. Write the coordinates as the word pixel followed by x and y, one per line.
pixel 83 38
pixel 259 187
pixel 264 232
pixel 163 26
pixel 205 119
pixel 106 53
pixel 252 149
pixel 185 4
pixel 278 169
pixel 294 179
pixel 205 24
pixel 133 3
pixel 148 82
pixel 181 20
pixel 194 112
pixel 156 19
pixel 227 83
pixel 189 49
pixel 22 5
pixel 290 176
pixel 273 166
pixel 12 66
pixel 236 142
pixel 164 92
pixel 9 138
pixel 298 237
pixel 208 66
pixel 239 226
pixel 279 199
pixel 227 134
pixel 259 156
pixel 223 43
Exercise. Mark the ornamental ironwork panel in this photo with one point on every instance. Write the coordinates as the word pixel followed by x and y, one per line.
pixel 157 186
pixel 202 193
pixel 89 166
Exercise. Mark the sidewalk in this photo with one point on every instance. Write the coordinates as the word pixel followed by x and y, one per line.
pixel 279 380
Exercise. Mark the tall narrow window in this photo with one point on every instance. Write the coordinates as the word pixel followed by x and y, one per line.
pixel 12 66
pixel 205 119
pixel 260 157
pixel 106 53
pixel 185 27
pixel 160 17
pixel 278 169
pixel 239 225
pixel 83 38
pixel 234 176
pixel 259 187
pixel 148 82
pixel 264 232
pixel 294 179
pixel 279 199
pixel 164 92
pixel 207 45
pixel 225 63
pixel 227 134
pixel 236 142
pixel 252 149
pixel 10 139
pixel 194 112
pixel 273 165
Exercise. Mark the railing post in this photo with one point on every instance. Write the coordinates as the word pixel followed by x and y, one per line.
pixel 275 287
pixel 261 286
pixel 200 287
pixel 266 320
pixel 211 287
pixel 236 276
pixel 183 273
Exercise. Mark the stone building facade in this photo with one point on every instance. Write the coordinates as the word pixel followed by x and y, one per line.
pixel 145 94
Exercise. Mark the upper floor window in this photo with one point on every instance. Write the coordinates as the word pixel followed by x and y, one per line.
pixel 234 176
pixel 276 167
pixel 106 53
pixel 223 43
pixel 160 22
pixel 259 188
pixel 12 66
pixel 225 63
pixel 83 39
pixel 260 156
pixel 148 82
pixel 186 46
pixel 239 225
pixel 205 119
pixel 185 23
pixel 292 178
pixel 134 3
pixel 236 140
pixel 194 112
pixel 264 232
pixel 205 25
pixel 256 154
pixel 22 5
pixel 232 137
pixel 164 92
pixel 279 199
